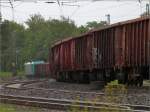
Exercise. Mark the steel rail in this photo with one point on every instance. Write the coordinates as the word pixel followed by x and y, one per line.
pixel 67 104
pixel 25 82
pixel 57 104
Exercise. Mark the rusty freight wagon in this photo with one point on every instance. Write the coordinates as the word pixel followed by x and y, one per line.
pixel 119 51
pixel 42 70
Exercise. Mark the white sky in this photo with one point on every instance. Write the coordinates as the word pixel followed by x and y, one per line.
pixel 88 11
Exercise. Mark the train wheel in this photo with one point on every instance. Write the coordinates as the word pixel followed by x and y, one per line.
pixel 86 78
pixel 108 77
pixel 121 78
pixel 140 81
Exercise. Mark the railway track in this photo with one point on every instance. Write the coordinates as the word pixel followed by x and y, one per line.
pixel 67 91
pixel 23 86
pixel 20 83
pixel 28 85
pixel 60 103
pixel 68 104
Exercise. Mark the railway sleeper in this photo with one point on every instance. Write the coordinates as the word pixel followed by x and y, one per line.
pixel 61 106
pixel 47 103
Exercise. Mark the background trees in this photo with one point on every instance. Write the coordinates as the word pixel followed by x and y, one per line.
pixel 12 40
pixel 21 44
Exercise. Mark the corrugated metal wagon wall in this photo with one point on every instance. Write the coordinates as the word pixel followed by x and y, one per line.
pixel 56 57
pixel 66 56
pixel 119 46
pixel 80 53
pixel 135 38
pixel 104 46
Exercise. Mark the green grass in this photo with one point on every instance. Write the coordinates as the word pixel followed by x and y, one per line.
pixel 9 74
pixel 6 108
pixel 15 108
pixel 5 74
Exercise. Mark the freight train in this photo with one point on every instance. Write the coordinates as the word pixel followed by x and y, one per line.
pixel 37 69
pixel 119 51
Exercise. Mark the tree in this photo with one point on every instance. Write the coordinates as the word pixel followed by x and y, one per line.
pixel 41 34
pixel 82 29
pixel 33 42
pixel 95 24
pixel 12 40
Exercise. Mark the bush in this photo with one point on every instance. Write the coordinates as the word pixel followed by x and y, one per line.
pixel 113 91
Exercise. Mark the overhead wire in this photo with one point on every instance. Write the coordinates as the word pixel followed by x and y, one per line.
pixel 111 7
pixel 131 13
pixel 20 12
pixel 12 7
pixel 78 8
pixel 60 8
pixel 17 5
pixel 6 6
pixel 108 8
pixel 15 11
pixel 116 6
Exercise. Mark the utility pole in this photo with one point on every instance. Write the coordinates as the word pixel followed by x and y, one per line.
pixel 108 18
pixel 14 63
pixel 149 6
pixel 147 10
pixel 0 39
pixel 149 47
pixel 12 8
pixel 14 47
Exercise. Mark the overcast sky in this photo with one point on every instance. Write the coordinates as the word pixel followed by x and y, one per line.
pixel 81 13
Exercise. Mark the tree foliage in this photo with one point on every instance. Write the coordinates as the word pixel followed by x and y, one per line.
pixel 21 44
pixel 12 40
pixel 95 24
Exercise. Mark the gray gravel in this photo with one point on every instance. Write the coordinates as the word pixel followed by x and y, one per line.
pixel 136 96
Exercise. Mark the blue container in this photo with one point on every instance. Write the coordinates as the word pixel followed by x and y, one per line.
pixel 30 67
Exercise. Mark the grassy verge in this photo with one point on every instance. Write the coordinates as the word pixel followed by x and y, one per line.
pixel 5 74
pixel 4 108
pixel 15 108
pixel 8 75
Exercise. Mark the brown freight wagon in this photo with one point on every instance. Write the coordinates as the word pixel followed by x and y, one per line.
pixel 42 70
pixel 119 51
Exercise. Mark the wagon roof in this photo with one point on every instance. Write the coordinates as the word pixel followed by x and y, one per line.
pixel 106 27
